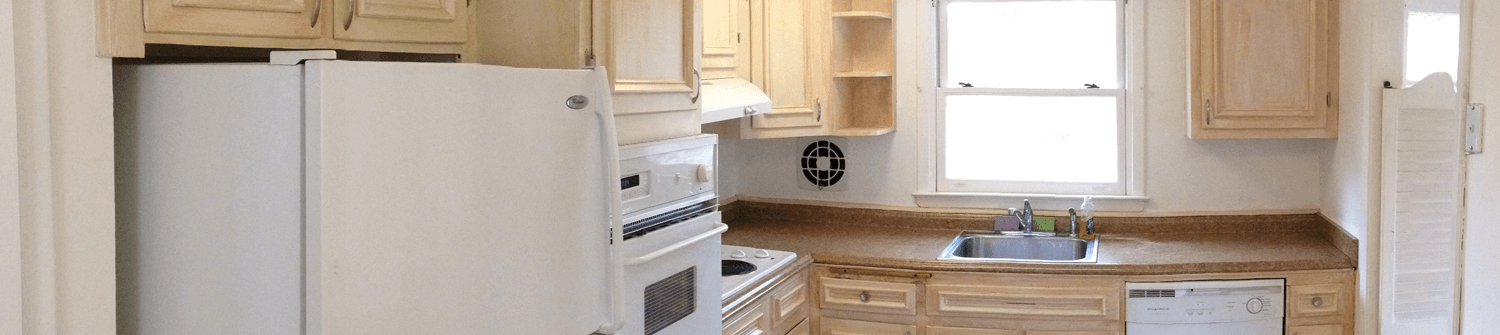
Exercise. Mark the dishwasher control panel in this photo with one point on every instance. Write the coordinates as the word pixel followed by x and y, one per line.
pixel 1205 301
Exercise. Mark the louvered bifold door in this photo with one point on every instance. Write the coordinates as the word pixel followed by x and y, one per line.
pixel 1421 221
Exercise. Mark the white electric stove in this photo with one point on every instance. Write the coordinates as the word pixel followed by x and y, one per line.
pixel 738 276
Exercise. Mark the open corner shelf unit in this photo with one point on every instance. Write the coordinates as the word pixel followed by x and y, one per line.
pixel 859 100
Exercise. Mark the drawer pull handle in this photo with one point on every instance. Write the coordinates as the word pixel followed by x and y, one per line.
pixel 864 296
pixel 1317 301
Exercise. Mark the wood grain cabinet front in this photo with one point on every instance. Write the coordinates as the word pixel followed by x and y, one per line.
pixel 1263 69
pixel 1082 302
pixel 1316 330
pixel 868 296
pixel 935 330
pixel 410 21
pixel 273 18
pixel 832 326
pixel 415 26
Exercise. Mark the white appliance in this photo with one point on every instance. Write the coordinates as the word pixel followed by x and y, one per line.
pixel 1230 307
pixel 672 232
pixel 743 266
pixel 730 98
pixel 339 197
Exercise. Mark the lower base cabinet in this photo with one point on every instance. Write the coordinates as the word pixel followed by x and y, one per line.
pixel 873 301
pixel 934 330
pixel 1316 330
pixel 832 326
pixel 804 328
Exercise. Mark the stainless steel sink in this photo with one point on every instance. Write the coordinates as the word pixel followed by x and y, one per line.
pixel 1022 248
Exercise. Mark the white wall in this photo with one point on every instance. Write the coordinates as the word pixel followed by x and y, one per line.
pixel 1371 54
pixel 57 181
pixel 1481 297
pixel 1182 175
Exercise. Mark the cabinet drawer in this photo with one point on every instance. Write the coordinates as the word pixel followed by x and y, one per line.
pixel 750 321
pixel 1316 330
pixel 1315 300
pixel 831 326
pixel 1072 303
pixel 802 328
pixel 934 330
pixel 789 302
pixel 869 296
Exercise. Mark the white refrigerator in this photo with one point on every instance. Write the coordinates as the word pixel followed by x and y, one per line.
pixel 341 197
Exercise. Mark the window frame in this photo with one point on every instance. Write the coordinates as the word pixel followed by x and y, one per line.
pixel 944 184
pixel 1128 195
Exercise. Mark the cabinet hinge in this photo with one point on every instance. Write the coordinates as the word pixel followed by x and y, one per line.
pixel 934 3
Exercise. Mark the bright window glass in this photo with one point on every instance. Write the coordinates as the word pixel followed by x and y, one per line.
pixel 1032 44
pixel 1026 138
pixel 1032 97
pixel 1432 44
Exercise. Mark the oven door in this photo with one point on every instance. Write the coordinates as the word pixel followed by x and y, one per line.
pixel 672 279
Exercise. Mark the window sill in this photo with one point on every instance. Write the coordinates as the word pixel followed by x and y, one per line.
pixel 1046 202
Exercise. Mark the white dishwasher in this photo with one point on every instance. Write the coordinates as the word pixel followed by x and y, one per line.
pixel 1224 307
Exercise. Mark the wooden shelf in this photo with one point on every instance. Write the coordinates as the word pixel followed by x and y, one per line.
pixel 862 74
pixel 868 15
pixel 856 132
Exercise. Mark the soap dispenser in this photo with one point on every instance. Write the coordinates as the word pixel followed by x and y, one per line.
pixel 1087 215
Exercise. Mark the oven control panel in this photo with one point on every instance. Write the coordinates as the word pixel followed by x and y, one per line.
pixel 658 173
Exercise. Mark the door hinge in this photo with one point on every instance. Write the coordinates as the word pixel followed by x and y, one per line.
pixel 934 3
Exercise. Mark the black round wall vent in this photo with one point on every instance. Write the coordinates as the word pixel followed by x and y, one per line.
pixel 830 171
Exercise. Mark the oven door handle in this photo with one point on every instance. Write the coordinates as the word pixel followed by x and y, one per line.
pixel 720 229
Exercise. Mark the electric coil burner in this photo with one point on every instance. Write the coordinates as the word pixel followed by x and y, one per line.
pixel 735 268
pixel 743 266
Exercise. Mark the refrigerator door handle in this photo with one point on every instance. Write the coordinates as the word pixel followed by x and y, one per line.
pixel 604 109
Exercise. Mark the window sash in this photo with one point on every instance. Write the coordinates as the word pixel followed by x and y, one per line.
pixel 942 39
pixel 1120 187
pixel 944 184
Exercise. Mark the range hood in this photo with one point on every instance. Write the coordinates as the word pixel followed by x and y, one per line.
pixel 731 98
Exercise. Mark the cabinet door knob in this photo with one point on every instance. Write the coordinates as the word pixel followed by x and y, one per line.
pixel 1317 301
pixel 864 296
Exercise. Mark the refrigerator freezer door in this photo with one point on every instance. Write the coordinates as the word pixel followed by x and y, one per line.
pixel 455 199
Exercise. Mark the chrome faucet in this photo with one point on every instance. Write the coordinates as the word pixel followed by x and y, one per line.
pixel 1024 215
pixel 1072 223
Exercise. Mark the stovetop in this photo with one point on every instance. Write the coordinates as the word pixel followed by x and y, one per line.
pixel 764 261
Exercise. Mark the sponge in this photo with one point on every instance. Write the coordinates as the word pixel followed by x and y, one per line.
pixel 1045 223
pixel 1007 223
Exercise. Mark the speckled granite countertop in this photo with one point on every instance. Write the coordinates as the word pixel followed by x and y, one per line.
pixel 857 241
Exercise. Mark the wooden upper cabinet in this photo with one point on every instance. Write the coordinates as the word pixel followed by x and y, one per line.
pixel 268 18
pixel 791 61
pixel 125 27
pixel 1264 69
pixel 410 21
pixel 726 39
pixel 652 49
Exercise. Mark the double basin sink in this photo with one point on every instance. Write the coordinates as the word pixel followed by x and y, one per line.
pixel 1021 248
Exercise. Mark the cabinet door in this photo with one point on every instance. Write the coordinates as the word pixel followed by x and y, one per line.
pixel 726 39
pixel 652 51
pixel 801 329
pixel 791 62
pixel 1316 330
pixel 411 21
pixel 935 330
pixel 267 18
pixel 1264 69
pixel 831 326
pixel 753 320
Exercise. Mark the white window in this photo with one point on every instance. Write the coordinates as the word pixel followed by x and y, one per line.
pixel 1031 97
